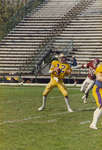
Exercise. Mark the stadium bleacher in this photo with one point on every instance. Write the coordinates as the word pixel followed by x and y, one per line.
pixel 59 21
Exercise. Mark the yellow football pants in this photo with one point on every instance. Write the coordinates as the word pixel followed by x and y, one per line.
pixel 53 83
pixel 97 94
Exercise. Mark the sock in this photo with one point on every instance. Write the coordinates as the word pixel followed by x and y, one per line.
pixel 44 101
pixel 96 116
pixel 67 103
pixel 87 94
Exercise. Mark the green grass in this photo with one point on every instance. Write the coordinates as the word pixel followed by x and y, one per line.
pixel 22 127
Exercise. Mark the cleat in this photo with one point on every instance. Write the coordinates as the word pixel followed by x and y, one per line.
pixel 93 127
pixel 84 99
pixel 70 110
pixel 40 108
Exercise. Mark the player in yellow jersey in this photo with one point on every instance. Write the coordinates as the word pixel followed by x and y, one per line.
pixel 58 70
pixel 97 94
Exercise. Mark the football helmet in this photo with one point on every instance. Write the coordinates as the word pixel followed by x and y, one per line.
pixel 62 58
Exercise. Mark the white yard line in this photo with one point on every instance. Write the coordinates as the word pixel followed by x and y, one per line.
pixel 15 121
pixel 85 122
pixel 89 108
pixel 38 117
pixel 26 119
pixel 51 121
pixel 31 118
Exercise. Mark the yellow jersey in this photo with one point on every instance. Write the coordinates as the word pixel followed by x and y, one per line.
pixel 63 67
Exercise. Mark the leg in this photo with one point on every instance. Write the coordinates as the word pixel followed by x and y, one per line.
pixel 75 82
pixel 67 103
pixel 43 103
pixel 85 88
pixel 96 116
pixel 63 90
pixel 97 94
pixel 85 97
pixel 45 93
pixel 90 84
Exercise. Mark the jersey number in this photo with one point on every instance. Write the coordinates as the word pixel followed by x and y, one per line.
pixel 62 67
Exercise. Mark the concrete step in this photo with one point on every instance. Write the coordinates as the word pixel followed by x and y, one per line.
pixel 81 44
pixel 82 28
pixel 19 46
pixel 10 59
pixel 81 35
pixel 64 40
pixel 6 51
pixel 89 49
pixel 53 23
pixel 41 21
pixel 15 55
pixel 35 26
pixel 9 62
pixel 81 47
pixel 86 21
pixel 20 43
pixel 94 52
pixel 87 24
pixel 88 56
pixel 15 49
pixel 27 35
pixel 22 40
pixel 58 39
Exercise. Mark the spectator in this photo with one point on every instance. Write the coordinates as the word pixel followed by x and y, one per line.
pixel 73 64
pixel 74 61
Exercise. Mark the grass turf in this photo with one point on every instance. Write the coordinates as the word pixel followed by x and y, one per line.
pixel 22 127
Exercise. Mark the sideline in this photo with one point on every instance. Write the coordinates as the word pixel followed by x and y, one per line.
pixel 35 84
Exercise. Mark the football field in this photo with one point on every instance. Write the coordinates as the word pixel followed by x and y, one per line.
pixel 23 127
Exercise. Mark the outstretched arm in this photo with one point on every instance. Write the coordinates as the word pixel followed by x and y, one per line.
pixel 68 71
pixel 79 66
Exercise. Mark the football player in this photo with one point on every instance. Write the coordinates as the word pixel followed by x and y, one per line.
pixel 59 68
pixel 90 79
pixel 97 94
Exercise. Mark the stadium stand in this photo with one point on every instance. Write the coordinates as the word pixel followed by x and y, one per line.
pixel 58 22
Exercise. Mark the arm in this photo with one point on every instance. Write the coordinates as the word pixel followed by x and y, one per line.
pixel 68 72
pixel 54 68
